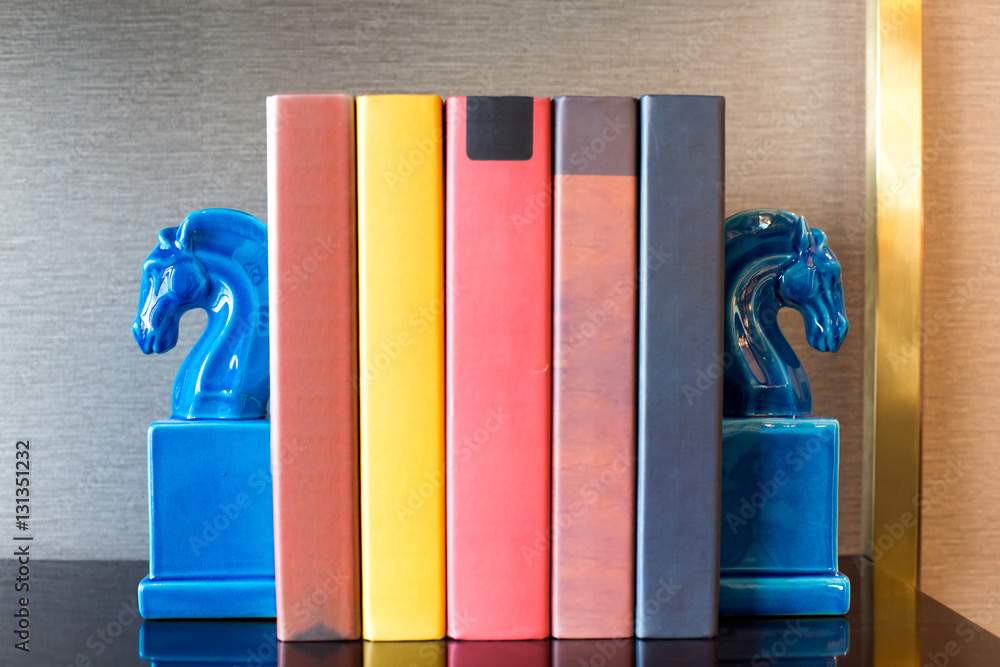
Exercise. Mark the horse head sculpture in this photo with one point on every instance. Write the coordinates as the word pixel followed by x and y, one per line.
pixel 774 260
pixel 215 260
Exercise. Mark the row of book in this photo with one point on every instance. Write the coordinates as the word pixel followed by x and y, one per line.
pixel 494 326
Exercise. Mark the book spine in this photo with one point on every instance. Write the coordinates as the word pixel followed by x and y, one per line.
pixel 681 201
pixel 314 407
pixel 594 370
pixel 401 306
pixel 499 244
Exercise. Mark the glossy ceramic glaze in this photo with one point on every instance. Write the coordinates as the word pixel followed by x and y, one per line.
pixel 779 518
pixel 774 260
pixel 215 260
pixel 211 535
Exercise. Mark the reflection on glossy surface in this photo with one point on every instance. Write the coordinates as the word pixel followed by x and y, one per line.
pixel 813 641
pixel 393 654
pixel 686 652
pixel 607 652
pixel 804 641
pixel 175 643
pixel 215 260
pixel 321 654
pixel 535 653
pixel 76 603
pixel 774 260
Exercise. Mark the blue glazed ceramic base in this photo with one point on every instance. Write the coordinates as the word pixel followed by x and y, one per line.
pixel 211 539
pixel 784 595
pixel 779 518
pixel 230 597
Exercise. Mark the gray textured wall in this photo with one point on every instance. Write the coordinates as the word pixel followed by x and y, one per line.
pixel 118 118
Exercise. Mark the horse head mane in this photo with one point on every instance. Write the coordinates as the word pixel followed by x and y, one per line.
pixel 207 227
pixel 767 223
pixel 757 232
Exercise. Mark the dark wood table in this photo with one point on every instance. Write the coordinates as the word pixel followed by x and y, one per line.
pixel 85 614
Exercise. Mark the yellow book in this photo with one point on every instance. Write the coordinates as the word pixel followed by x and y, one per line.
pixel 401 302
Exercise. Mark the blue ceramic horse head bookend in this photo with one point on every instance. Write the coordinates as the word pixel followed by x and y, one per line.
pixel 774 260
pixel 216 260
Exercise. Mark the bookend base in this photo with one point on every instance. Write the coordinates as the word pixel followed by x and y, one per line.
pixel 211 543
pixel 779 518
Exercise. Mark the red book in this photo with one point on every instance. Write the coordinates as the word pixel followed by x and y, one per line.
pixel 498 366
pixel 312 255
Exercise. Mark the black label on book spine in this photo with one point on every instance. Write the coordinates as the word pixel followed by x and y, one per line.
pixel 499 128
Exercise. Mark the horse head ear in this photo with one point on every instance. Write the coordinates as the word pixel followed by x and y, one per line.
pixel 185 234
pixel 167 237
pixel 801 234
pixel 819 241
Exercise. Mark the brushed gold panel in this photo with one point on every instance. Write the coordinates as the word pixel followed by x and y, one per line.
pixel 893 287
pixel 960 518
pixel 896 643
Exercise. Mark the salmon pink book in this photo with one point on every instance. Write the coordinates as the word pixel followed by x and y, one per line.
pixel 498 366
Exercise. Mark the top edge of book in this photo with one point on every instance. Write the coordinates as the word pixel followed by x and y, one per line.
pixel 563 99
pixel 292 96
pixel 496 97
pixel 667 98
pixel 364 101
